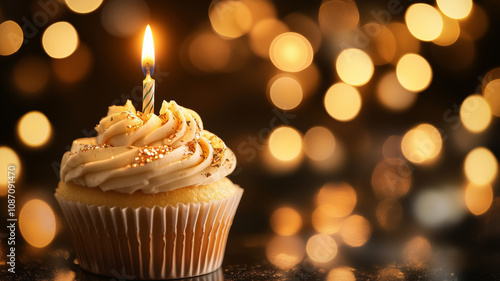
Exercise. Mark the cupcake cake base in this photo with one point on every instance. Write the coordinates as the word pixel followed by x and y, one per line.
pixel 157 242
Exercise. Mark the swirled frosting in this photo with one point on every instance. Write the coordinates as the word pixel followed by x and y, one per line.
pixel 150 153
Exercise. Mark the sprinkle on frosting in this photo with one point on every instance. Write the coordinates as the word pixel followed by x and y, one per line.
pixel 148 152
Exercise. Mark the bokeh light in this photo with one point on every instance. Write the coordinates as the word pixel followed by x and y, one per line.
pixel 422 144
pixel 291 52
pixel 450 33
pixel 478 198
pixel 285 92
pixel 480 166
pixel 60 40
pixel 65 275
pixel 230 18
pixel 476 23
pixel 492 94
pixel 11 37
pixel 475 113
pixel 417 252
pixel 414 72
pixel 286 221
pixel 455 9
pixel 34 129
pixel 262 35
pixel 306 26
pixel 321 248
pixel 439 207
pixel 405 42
pixel 391 178
pixel 338 16
pixel 389 213
pixel 285 251
pixel 319 143
pixel 355 231
pixel 325 220
pixel 31 75
pixel 354 67
pixel 382 46
pixel 83 6
pixel 424 21
pixel 390 273
pixel 341 197
pixel 392 95
pixel 208 52
pixel 75 67
pixel 7 157
pixel 124 18
pixel 285 143
pixel 342 102
pixel 341 274
pixel 37 223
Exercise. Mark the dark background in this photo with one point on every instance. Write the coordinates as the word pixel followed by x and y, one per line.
pixel 234 105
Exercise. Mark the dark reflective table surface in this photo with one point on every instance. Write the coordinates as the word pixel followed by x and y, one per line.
pixel 246 259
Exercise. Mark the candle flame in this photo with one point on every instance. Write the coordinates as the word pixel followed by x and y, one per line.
pixel 148 53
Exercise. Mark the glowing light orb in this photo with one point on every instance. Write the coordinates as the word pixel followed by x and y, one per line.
pixel 285 143
pixel 263 33
pixel 11 37
pixel 450 33
pixel 478 198
pixel 230 18
pixel 424 21
pixel 414 72
pixel 338 16
pixel 492 94
pixel 340 197
pixel 475 113
pixel 354 67
pixel 342 102
pixel 341 274
pixel 291 52
pixel 455 9
pixel 355 231
pixel 286 221
pixel 37 223
pixel 83 6
pixel 321 248
pixel 319 143
pixel 34 129
pixel 480 166
pixel 392 95
pixel 325 220
pixel 285 92
pixel 60 40
pixel 422 144
pixel 285 251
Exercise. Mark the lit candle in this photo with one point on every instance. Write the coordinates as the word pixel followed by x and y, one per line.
pixel 148 67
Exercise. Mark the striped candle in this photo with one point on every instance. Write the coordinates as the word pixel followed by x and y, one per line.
pixel 148 95
pixel 148 67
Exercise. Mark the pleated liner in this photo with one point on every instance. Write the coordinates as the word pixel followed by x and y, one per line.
pixel 151 243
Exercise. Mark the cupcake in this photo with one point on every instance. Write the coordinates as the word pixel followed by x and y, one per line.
pixel 149 197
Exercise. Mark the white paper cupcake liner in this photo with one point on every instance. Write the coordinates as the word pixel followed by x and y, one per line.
pixel 151 243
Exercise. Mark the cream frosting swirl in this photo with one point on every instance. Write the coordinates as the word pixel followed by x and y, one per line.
pixel 150 153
